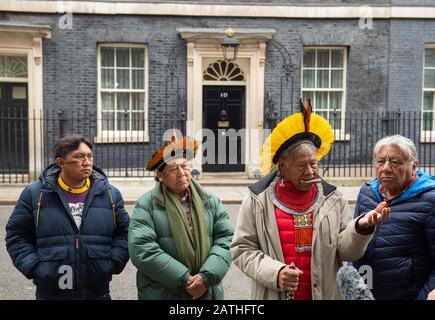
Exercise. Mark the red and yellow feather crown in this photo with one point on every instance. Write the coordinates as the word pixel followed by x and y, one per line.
pixel 175 148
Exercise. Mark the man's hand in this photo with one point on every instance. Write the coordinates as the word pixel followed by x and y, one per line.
pixel 374 217
pixel 288 277
pixel 431 295
pixel 195 286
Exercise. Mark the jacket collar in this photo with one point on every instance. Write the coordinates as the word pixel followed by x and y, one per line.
pixel 424 183
pixel 49 175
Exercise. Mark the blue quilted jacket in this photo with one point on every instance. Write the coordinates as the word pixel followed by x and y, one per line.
pixel 402 251
pixel 45 243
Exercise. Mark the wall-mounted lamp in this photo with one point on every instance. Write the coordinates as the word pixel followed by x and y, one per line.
pixel 230 46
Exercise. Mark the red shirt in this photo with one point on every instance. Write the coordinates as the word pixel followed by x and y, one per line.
pixel 295 232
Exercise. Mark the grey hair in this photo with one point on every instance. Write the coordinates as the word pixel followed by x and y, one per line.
pixel 404 144
pixel 290 153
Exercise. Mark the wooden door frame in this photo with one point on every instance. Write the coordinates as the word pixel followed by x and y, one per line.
pixel 202 44
pixel 27 40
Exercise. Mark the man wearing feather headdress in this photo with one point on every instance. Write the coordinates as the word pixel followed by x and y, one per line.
pixel 180 234
pixel 294 230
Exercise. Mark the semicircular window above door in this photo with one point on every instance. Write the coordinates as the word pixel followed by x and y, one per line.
pixel 222 70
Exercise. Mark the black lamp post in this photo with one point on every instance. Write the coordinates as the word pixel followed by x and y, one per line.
pixel 230 46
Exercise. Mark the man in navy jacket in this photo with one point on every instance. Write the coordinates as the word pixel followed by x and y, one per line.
pixel 68 231
pixel 402 251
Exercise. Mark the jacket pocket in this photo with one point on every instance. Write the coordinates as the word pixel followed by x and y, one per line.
pixel 329 231
pixel 52 253
pixel 53 264
pixel 99 265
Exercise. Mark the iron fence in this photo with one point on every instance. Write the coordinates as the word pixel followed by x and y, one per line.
pixel 124 154
pixel 357 133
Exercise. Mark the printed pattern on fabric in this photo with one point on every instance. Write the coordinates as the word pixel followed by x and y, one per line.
pixel 303 232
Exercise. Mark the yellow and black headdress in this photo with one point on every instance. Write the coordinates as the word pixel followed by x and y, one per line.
pixel 176 147
pixel 293 130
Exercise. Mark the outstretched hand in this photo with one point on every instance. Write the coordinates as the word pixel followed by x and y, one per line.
pixel 374 217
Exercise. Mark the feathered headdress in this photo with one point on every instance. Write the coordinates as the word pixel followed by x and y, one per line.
pixel 299 127
pixel 176 147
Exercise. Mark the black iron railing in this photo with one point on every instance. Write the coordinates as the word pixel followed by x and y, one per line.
pixel 124 153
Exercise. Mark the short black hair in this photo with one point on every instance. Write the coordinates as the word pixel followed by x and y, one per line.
pixel 66 144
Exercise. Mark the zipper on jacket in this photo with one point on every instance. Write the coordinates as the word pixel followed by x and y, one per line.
pixel 77 267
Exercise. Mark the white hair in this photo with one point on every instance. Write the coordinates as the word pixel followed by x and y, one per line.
pixel 404 144
pixel 289 154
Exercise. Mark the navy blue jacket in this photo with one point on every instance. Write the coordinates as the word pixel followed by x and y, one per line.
pixel 44 242
pixel 402 251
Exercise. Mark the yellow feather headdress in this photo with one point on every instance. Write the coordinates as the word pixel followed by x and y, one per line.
pixel 294 129
pixel 175 148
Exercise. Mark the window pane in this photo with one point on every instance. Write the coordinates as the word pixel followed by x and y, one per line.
pixel 335 100
pixel 122 57
pixel 108 120
pixel 323 58
pixel 323 114
pixel 137 79
pixel 428 101
pixel 13 66
pixel 137 57
pixel 19 92
pixel 137 101
pixel 337 58
pixel 309 58
pixel 107 79
pixel 123 121
pixel 107 57
pixel 322 78
pixel 429 57
pixel 429 78
pixel 123 101
pixel 107 101
pixel 308 79
pixel 321 100
pixel 335 120
pixel 123 78
pixel 137 119
pixel 336 79
pixel 427 121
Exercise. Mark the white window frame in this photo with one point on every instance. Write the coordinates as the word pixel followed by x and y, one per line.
pixel 122 136
pixel 339 134
pixel 427 136
pixel 15 79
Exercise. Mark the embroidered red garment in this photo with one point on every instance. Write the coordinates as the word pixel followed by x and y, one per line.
pixel 293 198
pixel 295 232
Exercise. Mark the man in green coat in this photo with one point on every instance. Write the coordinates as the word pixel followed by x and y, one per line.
pixel 179 235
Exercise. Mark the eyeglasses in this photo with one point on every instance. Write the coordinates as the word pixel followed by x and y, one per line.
pixel 83 157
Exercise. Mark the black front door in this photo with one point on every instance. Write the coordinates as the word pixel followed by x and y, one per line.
pixel 14 131
pixel 223 128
